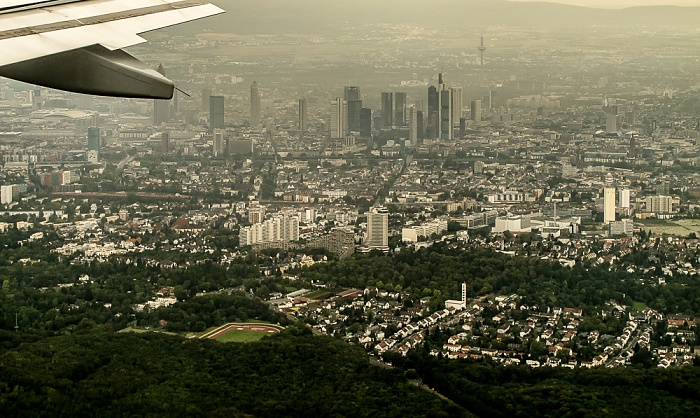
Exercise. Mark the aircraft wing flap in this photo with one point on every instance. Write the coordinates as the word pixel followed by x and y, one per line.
pixel 102 25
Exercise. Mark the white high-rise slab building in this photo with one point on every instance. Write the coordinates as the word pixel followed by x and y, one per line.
pixel 624 199
pixel 6 194
pixel 280 228
pixel 609 200
pixel 378 228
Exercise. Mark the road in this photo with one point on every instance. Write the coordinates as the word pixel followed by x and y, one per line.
pixel 124 162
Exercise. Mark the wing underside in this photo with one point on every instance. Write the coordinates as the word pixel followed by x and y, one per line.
pixel 43 42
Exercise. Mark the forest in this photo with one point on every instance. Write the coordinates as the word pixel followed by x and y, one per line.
pixel 293 374
pixel 490 389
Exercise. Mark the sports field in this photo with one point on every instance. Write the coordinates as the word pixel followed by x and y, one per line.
pixel 242 333
pixel 318 295
pixel 241 336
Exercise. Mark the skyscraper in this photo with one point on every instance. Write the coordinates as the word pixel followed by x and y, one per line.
pixel 445 127
pixel 365 122
pixel 303 117
pixel 413 125
pixel 624 199
pixel 354 108
pixel 387 110
pixel 476 110
pixel 378 228
pixel 254 105
pixel 164 143
pixel 93 145
pixel 352 93
pixel 608 200
pixel 457 104
pixel 338 118
pixel 161 108
pixel 219 144
pixel 431 129
pixel 400 109
pixel 216 113
pixel 420 124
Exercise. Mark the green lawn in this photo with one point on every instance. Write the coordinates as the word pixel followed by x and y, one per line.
pixel 638 306
pixel 241 336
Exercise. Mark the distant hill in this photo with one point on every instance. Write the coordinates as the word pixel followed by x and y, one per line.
pixel 322 16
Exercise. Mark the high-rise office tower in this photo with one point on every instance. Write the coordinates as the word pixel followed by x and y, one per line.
pixel 412 125
pixel 387 110
pixel 216 113
pixel 609 200
pixel 431 129
pixel 377 122
pixel 476 110
pixel 254 105
pixel 93 145
pixel 445 127
pixel 206 94
pixel 303 117
pixel 400 109
pixel 378 228
pixel 632 152
pixel 420 124
pixel 161 108
pixel 219 144
pixel 457 104
pixel 164 143
pixel 354 108
pixel 354 113
pixel 365 122
pixel 338 118
pixel 352 93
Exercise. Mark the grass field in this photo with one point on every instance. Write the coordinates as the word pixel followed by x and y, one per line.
pixel 241 336
pixel 638 306
pixel 681 227
pixel 241 332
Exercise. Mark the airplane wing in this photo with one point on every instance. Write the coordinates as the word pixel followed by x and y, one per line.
pixel 75 45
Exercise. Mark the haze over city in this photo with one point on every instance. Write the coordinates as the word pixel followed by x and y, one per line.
pixel 621 3
pixel 445 208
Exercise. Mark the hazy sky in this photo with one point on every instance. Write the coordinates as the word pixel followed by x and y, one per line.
pixel 623 3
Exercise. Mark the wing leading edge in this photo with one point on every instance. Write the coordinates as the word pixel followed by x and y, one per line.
pixel 76 46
